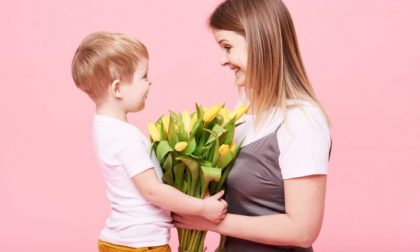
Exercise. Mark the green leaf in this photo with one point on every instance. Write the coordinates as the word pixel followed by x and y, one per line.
pixel 193 167
pixel 237 148
pixel 219 119
pixel 211 173
pixel 191 146
pixel 193 156
pixel 222 180
pixel 168 177
pixel 162 129
pixel 215 148
pixel 179 174
pixel 185 187
pixel 172 136
pixel 168 163
pixel 199 123
pixel 153 148
pixel 181 132
pixel 162 149
pixel 209 154
pixel 219 130
pixel 212 188
pixel 208 174
pixel 230 129
pixel 199 149
pixel 227 169
pixel 224 160
pixel 176 117
pixel 238 124
pixel 204 162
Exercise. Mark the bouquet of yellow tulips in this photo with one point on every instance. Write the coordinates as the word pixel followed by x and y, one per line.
pixel 196 151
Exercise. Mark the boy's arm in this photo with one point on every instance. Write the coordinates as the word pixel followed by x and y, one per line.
pixel 170 198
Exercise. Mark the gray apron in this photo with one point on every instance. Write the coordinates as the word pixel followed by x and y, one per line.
pixel 255 187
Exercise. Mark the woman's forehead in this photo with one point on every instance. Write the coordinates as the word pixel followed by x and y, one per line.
pixel 229 36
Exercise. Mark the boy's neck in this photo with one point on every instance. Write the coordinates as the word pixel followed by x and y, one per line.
pixel 111 111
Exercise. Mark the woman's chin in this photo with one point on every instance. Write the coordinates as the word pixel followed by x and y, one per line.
pixel 240 83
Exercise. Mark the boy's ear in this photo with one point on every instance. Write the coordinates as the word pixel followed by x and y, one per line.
pixel 116 89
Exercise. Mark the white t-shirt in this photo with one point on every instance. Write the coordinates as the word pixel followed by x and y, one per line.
pixel 123 152
pixel 303 139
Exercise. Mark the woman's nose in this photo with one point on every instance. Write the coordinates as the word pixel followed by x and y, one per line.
pixel 223 59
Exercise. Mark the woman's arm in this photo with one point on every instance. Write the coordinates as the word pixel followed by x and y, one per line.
pixel 170 198
pixel 300 225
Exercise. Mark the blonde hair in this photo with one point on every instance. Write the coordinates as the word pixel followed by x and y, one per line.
pixel 275 71
pixel 103 57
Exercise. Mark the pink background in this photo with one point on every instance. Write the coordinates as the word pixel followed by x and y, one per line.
pixel 362 57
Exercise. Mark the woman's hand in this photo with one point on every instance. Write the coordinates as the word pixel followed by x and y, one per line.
pixel 297 227
pixel 193 222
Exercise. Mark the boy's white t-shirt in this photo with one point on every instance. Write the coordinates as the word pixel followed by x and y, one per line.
pixel 303 139
pixel 123 152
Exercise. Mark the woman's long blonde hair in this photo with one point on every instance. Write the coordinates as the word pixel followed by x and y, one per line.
pixel 275 71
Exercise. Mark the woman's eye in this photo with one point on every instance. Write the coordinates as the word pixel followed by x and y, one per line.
pixel 227 48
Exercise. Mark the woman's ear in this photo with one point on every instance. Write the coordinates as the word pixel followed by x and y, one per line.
pixel 116 89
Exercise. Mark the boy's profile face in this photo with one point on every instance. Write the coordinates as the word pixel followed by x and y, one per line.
pixel 135 93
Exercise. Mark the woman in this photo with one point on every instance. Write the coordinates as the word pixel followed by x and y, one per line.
pixel 276 189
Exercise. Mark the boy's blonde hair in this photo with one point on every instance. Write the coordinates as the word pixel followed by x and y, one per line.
pixel 103 57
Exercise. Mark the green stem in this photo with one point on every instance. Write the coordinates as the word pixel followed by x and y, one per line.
pixel 203 239
pixel 179 235
pixel 197 241
pixel 187 238
pixel 185 234
pixel 192 241
pixel 221 243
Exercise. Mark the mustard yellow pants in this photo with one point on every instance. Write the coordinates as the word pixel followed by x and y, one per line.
pixel 109 247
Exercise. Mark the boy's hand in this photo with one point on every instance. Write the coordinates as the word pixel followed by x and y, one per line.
pixel 215 208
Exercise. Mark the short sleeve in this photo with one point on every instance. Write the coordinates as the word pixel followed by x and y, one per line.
pixel 134 156
pixel 304 143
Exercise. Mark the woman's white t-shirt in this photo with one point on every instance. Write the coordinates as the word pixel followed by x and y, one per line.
pixel 303 138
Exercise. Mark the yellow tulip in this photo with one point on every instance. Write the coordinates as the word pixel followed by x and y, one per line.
pixel 225 113
pixel 223 149
pixel 239 112
pixel 186 119
pixel 165 121
pixel 194 119
pixel 232 146
pixel 153 131
pixel 211 113
pixel 180 146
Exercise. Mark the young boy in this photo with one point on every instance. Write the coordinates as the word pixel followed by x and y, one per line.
pixel 112 69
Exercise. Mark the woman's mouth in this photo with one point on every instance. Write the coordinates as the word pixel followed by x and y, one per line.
pixel 236 70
